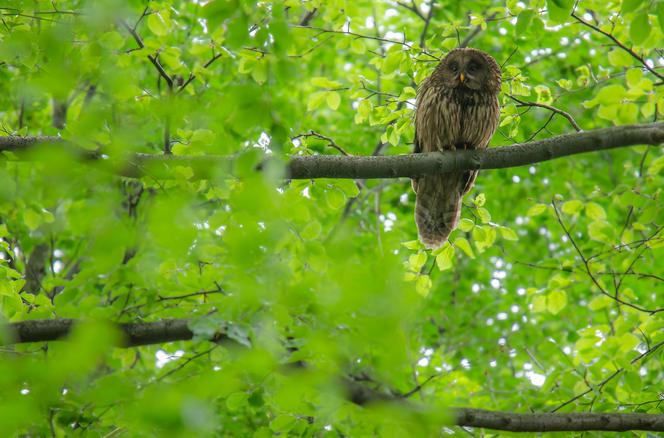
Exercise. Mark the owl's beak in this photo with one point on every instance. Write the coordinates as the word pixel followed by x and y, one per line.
pixel 462 77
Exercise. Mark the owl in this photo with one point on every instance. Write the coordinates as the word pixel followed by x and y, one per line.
pixel 457 108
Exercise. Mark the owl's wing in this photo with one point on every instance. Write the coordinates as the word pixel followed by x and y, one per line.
pixel 416 150
pixel 416 145
pixel 469 176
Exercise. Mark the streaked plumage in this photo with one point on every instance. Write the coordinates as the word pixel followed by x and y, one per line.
pixel 457 107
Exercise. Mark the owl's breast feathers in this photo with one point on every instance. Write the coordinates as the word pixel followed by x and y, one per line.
pixel 447 117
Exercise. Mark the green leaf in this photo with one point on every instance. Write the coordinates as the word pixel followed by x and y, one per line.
pixel 523 21
pixel 633 77
pixel 633 381
pixel 283 423
pixel 559 10
pixel 620 58
pixel 259 72
pixel 445 257
pixel 628 342
pixel 412 244
pixel 357 46
pixel 315 100
pixel 539 303
pixel 639 28
pixel 508 233
pixel 543 94
pixel 311 231
pixel 556 301
pixel 423 285
pixel 237 400
pixel 595 211
pixel 348 186
pixel 611 94
pixel 335 198
pixel 656 166
pixel 466 225
pixel 659 10
pixel 323 82
pixel 536 209
pixel 463 244
pixel 479 200
pixel 157 24
pixel 333 99
pixel 484 215
pixel 630 5
pixel 601 231
pixel 572 207
pixel 32 219
pixel 600 302
pixel 416 261
pixel 407 93
pixel 565 84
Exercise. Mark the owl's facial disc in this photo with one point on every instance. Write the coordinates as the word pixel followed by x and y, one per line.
pixel 466 72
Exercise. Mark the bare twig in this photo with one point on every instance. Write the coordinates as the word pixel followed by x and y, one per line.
pixel 427 22
pixel 413 8
pixel 193 76
pixel 589 271
pixel 153 58
pixel 476 31
pixel 553 109
pixel 631 52
pixel 308 16
pixel 186 362
pixel 369 37
pixel 610 377
pixel 330 142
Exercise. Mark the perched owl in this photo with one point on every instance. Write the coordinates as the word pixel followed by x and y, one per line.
pixel 457 108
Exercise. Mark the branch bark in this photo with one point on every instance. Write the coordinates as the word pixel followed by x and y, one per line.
pixel 394 166
pixel 137 334
pixel 547 422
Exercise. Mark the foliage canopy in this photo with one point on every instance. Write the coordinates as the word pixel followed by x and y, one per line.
pixel 547 291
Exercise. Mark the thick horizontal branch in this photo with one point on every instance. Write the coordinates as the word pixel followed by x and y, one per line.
pixel 553 422
pixel 135 334
pixel 413 165
pixel 145 333
pixel 365 167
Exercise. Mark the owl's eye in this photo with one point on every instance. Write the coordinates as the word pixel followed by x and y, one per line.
pixel 454 67
pixel 472 68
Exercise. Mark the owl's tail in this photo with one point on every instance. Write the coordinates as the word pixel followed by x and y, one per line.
pixel 437 207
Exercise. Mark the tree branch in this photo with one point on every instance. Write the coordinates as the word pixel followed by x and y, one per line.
pixel 617 42
pixel 547 422
pixel 394 166
pixel 553 109
pixel 137 334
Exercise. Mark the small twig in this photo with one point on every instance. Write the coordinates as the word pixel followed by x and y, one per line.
pixel 631 52
pixel 542 128
pixel 330 142
pixel 589 271
pixel 476 31
pixel 413 8
pixel 419 386
pixel 358 35
pixel 611 377
pixel 193 294
pixel 187 362
pixel 206 65
pixel 427 22
pixel 553 109
pixel 153 59
pixel 308 16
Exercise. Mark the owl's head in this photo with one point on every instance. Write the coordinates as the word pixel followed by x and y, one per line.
pixel 471 69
